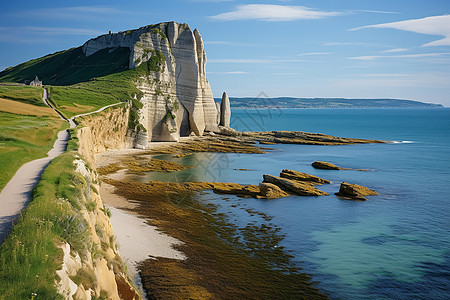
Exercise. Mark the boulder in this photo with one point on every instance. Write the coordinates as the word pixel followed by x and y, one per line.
pixel 325 165
pixel 354 191
pixel 271 191
pixel 295 187
pixel 300 176
pixel 225 111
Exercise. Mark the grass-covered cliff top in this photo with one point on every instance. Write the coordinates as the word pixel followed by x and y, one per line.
pixel 69 67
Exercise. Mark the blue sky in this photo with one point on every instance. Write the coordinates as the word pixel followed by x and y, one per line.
pixel 315 48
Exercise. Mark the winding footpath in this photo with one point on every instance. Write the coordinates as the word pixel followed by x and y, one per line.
pixel 17 193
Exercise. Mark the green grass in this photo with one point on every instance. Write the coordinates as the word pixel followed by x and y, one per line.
pixel 29 257
pixel 18 146
pixel 102 91
pixel 26 94
pixel 69 66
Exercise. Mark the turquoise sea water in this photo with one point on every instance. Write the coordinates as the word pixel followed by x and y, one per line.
pixel 392 246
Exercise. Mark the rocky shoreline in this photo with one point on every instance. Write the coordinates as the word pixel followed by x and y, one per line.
pixel 175 209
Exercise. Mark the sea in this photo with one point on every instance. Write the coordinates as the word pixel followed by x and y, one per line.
pixel 392 246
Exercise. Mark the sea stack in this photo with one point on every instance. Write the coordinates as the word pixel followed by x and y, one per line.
pixel 225 111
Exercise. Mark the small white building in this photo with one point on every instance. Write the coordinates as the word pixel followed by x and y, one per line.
pixel 36 82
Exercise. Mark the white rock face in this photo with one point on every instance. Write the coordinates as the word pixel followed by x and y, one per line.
pixel 225 111
pixel 177 98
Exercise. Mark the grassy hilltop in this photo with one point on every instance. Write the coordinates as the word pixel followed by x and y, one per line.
pixel 79 84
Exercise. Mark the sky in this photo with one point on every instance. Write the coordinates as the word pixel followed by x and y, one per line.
pixel 315 48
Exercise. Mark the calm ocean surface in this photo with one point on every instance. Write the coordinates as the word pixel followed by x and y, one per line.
pixel 392 246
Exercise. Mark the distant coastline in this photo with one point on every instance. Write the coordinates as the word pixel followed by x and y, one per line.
pixel 325 103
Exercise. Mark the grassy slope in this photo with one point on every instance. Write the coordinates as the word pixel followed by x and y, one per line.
pixel 26 94
pixel 18 146
pixel 102 91
pixel 69 67
pixel 29 257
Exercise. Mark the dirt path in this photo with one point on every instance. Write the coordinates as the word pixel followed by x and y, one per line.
pixel 17 192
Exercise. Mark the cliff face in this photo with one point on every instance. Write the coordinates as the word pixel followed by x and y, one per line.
pixel 177 98
pixel 100 132
pixel 98 271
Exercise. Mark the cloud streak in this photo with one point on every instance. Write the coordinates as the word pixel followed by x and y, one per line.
pixel 373 57
pixel 314 53
pixel 49 30
pixel 273 13
pixel 378 11
pixel 74 12
pixel 395 50
pixel 255 61
pixel 229 73
pixel 435 25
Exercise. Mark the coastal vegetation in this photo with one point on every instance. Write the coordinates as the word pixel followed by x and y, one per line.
pixel 18 146
pixel 29 256
pixel 22 93
pixel 223 259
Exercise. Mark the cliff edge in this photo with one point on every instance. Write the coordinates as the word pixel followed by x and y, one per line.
pixel 176 96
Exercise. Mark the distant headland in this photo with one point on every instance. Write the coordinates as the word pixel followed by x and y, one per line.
pixel 292 102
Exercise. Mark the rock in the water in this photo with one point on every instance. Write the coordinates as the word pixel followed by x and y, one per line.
pixel 245 191
pixel 300 176
pixel 354 191
pixel 325 165
pixel 296 187
pixel 271 191
pixel 225 111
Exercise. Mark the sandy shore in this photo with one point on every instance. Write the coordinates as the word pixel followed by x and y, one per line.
pixel 137 240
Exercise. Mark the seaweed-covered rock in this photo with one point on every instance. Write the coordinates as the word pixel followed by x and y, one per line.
pixel 295 187
pixel 271 191
pixel 325 165
pixel 300 176
pixel 354 191
pixel 245 191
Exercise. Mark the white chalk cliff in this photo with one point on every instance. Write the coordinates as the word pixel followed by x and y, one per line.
pixel 177 98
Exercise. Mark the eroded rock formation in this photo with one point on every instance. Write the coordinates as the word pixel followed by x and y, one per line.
pixel 354 191
pixel 177 99
pixel 225 111
pixel 325 165
pixel 300 176
pixel 294 187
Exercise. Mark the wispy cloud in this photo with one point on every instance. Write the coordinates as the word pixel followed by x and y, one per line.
pixel 435 25
pixel 373 57
pixel 314 53
pixel 229 73
pixel 33 34
pixel 74 12
pixel 377 11
pixel 270 12
pixel 229 43
pixel 49 30
pixel 395 50
pixel 256 61
pixel 238 61
pixel 387 75
pixel 348 44
pixel 372 81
